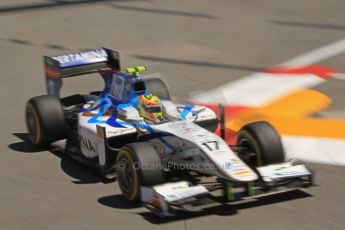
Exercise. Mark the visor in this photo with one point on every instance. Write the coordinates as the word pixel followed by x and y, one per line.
pixel 153 108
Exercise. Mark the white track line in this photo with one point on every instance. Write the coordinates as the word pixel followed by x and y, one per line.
pixel 250 91
pixel 257 89
pixel 317 55
pixel 339 76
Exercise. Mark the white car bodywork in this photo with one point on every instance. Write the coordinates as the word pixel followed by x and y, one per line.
pixel 210 153
pixel 178 139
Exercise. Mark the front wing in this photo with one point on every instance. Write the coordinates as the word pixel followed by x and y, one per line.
pixel 167 199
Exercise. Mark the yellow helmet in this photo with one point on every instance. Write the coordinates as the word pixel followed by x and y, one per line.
pixel 150 107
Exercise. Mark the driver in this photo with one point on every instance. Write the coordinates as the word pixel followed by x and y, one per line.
pixel 150 108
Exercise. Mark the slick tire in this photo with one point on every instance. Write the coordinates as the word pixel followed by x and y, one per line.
pixel 45 120
pixel 138 164
pixel 261 144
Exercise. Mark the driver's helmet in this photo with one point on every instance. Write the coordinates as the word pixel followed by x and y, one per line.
pixel 150 108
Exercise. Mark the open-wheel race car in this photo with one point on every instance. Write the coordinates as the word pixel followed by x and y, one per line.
pixel 159 151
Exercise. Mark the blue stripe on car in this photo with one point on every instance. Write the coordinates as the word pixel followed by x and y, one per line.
pixel 187 109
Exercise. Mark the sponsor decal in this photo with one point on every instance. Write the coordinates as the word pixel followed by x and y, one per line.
pixel 241 172
pixel 288 173
pixel 52 73
pixel 234 160
pixel 86 57
pixel 228 164
pixel 234 164
pixel 87 144
pixel 171 196
pixel 202 135
pixel 182 192
pixel 281 168
pixel 205 117
pixel 120 131
pixel 178 187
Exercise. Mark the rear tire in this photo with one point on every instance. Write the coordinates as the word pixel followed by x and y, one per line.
pixel 138 164
pixel 261 144
pixel 157 87
pixel 45 120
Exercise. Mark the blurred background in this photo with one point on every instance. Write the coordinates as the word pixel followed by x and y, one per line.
pixel 280 60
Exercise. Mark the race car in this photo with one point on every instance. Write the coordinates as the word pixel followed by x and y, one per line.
pixel 159 151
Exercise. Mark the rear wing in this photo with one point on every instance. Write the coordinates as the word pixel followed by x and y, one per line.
pixel 84 62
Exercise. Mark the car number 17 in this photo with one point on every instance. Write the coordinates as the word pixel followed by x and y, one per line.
pixel 211 145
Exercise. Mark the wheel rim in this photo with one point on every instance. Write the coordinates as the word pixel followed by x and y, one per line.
pixel 31 123
pixel 126 175
pixel 248 154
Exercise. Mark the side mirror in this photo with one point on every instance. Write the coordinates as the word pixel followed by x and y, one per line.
pixel 194 110
pixel 198 109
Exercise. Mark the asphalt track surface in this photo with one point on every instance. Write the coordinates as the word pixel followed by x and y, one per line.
pixel 198 45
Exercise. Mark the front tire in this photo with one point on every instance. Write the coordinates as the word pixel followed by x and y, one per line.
pixel 45 120
pixel 260 144
pixel 138 164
